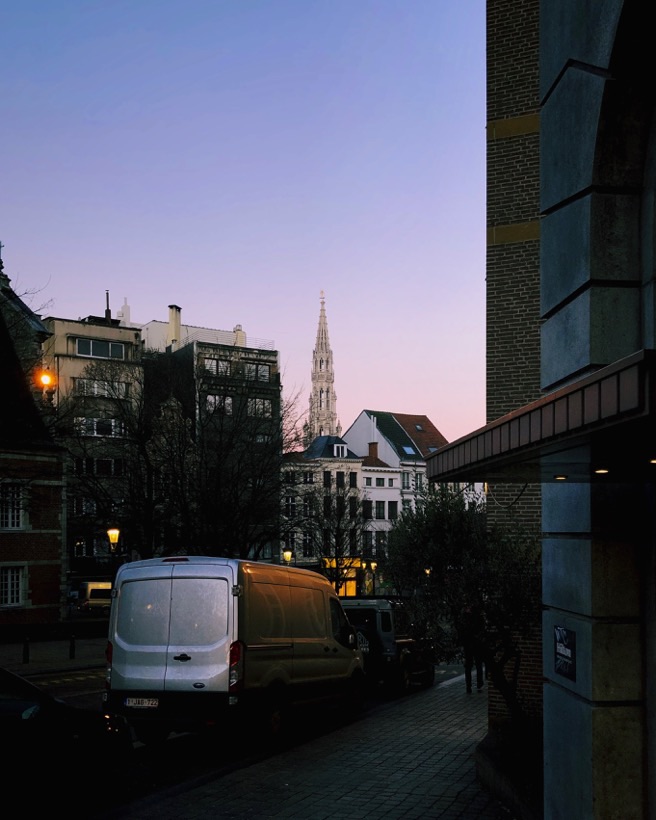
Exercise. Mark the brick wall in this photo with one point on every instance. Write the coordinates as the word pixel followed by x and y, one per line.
pixel 513 271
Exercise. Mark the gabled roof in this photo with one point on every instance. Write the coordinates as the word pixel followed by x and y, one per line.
pixel 324 447
pixel 21 424
pixel 413 437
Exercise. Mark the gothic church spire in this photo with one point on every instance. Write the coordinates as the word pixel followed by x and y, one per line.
pixel 322 418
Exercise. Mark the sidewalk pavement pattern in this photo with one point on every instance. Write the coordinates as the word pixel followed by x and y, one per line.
pixel 412 759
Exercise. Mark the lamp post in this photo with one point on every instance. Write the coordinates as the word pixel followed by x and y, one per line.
pixel 113 533
pixel 287 556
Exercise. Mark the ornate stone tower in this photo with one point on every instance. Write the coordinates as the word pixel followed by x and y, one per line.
pixel 322 418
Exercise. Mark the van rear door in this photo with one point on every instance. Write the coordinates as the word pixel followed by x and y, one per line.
pixel 172 629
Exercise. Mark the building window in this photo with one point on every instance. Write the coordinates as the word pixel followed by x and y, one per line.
pixel 340 451
pixel 367 543
pixel 392 510
pixel 257 372
pixel 405 481
pixel 99 349
pixel 99 466
pixel 326 479
pixel 11 506
pixel 353 542
pixel 380 509
pixel 390 482
pixel 290 541
pixel 308 550
pixel 259 407
pixel 218 403
pixel 419 481
pixel 353 507
pixel 11 585
pixel 381 543
pixel 339 479
pixel 109 428
pixel 290 477
pixel 290 506
pixel 308 507
pixel 83 505
pixel 353 480
pixel 380 482
pixel 97 387
pixel 367 481
pixel 217 367
pixel 327 506
pixel 367 510
pixel 308 478
pixel 406 505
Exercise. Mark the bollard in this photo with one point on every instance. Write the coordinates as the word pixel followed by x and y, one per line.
pixel 26 650
pixel 71 648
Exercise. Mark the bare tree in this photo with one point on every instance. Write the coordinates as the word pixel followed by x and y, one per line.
pixel 325 513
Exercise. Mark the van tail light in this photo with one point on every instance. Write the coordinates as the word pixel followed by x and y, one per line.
pixel 236 677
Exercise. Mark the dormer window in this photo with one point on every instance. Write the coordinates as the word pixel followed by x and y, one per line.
pixel 340 451
pixel 409 451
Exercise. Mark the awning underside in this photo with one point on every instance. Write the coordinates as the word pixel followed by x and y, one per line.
pixel 603 422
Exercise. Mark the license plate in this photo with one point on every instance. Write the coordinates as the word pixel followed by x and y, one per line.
pixel 142 703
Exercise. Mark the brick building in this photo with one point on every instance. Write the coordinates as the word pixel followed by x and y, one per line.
pixel 582 432
pixel 32 522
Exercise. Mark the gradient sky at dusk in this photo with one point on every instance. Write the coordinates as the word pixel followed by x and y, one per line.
pixel 238 157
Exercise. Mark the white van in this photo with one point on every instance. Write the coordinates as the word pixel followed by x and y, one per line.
pixel 193 639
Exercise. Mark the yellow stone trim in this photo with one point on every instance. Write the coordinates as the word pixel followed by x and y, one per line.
pixel 521 232
pixel 513 127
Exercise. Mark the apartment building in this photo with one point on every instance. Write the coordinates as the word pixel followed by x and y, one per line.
pixel 97 378
pixel 153 418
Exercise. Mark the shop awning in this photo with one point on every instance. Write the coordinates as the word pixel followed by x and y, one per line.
pixel 604 422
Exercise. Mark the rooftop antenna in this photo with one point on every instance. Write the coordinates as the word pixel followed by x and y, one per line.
pixel 108 313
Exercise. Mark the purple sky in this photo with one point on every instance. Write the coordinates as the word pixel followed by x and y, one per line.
pixel 237 157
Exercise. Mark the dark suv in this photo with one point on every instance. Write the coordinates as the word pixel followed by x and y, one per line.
pixel 392 655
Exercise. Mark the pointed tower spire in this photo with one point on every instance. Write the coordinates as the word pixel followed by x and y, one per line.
pixel 322 418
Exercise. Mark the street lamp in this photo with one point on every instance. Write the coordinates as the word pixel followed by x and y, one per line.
pixel 287 555
pixel 113 534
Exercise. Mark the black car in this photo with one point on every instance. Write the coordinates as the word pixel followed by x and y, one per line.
pixel 393 654
pixel 47 740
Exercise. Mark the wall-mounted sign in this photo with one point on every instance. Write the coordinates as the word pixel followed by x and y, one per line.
pixel 565 652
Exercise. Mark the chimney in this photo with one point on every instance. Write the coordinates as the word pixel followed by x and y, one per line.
pixel 173 335
pixel 240 336
pixel 373 449
pixel 108 312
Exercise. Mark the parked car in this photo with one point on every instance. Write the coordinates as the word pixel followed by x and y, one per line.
pixel 45 737
pixel 394 655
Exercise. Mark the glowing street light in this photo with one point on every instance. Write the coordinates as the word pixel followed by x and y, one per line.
pixel 113 534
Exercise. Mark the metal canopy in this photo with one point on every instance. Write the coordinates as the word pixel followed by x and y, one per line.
pixel 604 421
